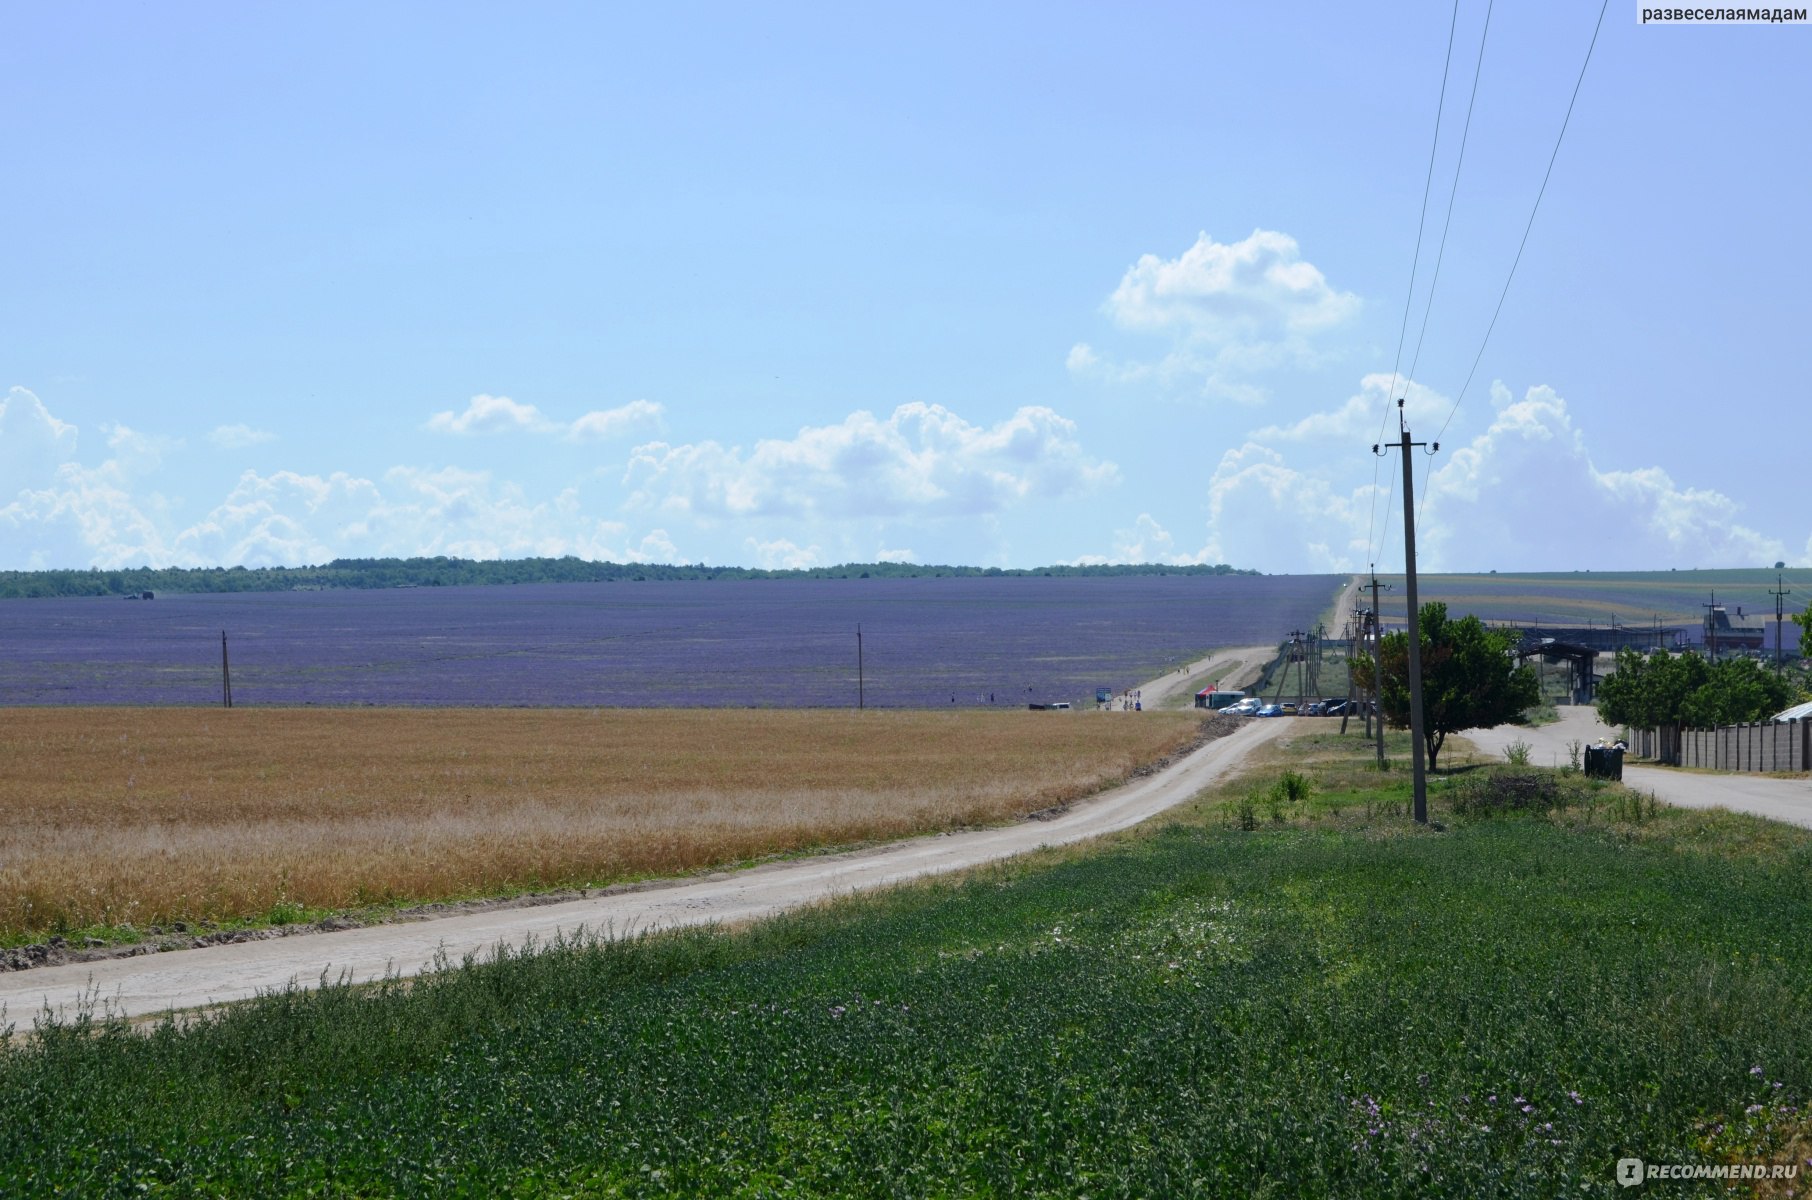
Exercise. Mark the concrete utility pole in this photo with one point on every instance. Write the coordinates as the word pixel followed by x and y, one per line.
pixel 861 691
pixel 1418 748
pixel 226 675
pixel 1780 595
pixel 1711 626
pixel 1377 668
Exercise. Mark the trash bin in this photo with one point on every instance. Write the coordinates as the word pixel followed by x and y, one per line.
pixel 1604 762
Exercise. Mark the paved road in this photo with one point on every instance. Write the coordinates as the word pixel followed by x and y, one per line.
pixel 1780 799
pixel 185 979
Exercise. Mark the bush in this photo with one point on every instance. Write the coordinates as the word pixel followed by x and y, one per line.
pixel 1292 787
pixel 1508 791
pixel 1517 753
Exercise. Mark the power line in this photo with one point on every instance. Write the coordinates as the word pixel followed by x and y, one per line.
pixel 1535 208
pixel 1428 479
pixel 1478 69
pixel 1414 265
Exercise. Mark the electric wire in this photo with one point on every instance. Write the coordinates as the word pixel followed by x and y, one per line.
pixel 1414 266
pixel 1559 138
pixel 1535 208
pixel 1459 165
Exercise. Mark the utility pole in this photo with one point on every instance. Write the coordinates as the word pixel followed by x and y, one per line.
pixel 1377 667
pixel 1418 749
pixel 226 675
pixel 861 697
pixel 1780 595
pixel 1711 626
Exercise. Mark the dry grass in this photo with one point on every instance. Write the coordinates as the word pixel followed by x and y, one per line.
pixel 112 817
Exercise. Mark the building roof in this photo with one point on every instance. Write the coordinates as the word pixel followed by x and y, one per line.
pixel 1799 712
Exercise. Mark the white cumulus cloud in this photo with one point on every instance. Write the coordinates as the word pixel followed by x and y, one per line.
pixel 614 422
pixel 1265 513
pixel 781 554
pixel 923 460
pixel 1230 311
pixel 1359 419
pixel 1526 494
pixel 33 443
pixel 493 414
pixel 500 414
pixel 1253 289
pixel 238 437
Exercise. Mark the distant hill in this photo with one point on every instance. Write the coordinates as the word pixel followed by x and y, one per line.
pixel 452 572
pixel 1632 599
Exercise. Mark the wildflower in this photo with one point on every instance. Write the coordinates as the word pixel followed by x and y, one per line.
pixel 1528 1108
pixel 1574 1097
pixel 1755 1070
pixel 1752 1110
pixel 1491 1099
pixel 837 1010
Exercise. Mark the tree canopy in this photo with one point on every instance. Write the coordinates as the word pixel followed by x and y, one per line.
pixel 1470 678
pixel 449 572
pixel 1649 691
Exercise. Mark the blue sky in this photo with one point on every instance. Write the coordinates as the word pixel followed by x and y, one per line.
pixel 792 284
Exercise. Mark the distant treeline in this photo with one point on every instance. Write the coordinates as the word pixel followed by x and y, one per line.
pixel 451 572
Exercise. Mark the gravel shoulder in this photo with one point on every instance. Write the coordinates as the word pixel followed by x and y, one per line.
pixel 1765 796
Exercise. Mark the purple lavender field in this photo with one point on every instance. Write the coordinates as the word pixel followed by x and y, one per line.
pixel 770 643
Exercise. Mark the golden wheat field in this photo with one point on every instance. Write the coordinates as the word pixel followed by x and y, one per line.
pixel 114 817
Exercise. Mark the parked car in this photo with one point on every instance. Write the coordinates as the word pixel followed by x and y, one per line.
pixel 1271 710
pixel 1286 709
pixel 1247 707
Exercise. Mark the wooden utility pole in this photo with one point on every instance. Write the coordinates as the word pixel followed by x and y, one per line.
pixel 226 674
pixel 1780 594
pixel 1418 749
pixel 861 690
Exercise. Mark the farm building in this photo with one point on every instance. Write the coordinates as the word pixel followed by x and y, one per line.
pixel 1721 632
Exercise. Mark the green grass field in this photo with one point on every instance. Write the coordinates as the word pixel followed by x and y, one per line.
pixel 1326 1003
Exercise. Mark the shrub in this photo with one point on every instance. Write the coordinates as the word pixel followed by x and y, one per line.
pixel 1292 787
pixel 1248 814
pixel 1508 791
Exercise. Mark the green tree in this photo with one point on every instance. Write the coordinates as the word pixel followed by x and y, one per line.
pixel 1737 690
pixel 1470 679
pixel 1804 621
pixel 1647 692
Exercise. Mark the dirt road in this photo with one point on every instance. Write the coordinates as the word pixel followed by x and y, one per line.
pixel 1780 799
pixel 184 979
pixel 1236 666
